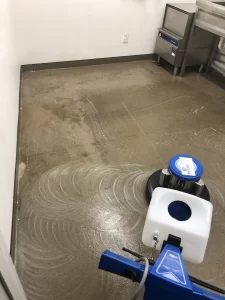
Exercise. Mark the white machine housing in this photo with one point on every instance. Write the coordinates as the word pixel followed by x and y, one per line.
pixel 194 232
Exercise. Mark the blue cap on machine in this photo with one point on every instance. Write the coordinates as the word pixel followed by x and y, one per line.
pixel 185 167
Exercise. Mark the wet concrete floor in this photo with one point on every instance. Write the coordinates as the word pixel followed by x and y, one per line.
pixel 90 137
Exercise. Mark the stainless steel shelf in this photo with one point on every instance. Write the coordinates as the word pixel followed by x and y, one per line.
pixel 219 67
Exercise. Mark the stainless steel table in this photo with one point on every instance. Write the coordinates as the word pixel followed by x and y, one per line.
pixel 210 16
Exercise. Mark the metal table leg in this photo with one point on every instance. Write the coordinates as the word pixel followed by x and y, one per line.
pixel 158 60
pixel 216 41
pixel 175 70
pixel 188 48
pixel 201 68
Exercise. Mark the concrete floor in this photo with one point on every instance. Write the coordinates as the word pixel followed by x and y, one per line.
pixel 90 137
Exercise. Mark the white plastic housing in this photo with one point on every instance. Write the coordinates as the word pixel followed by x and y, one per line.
pixel 194 232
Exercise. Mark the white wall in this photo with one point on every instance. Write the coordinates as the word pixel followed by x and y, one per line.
pixel 61 30
pixel 9 96
pixel 8 273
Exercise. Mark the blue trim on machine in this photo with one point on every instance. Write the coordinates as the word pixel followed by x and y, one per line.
pixel 168 39
pixel 167 279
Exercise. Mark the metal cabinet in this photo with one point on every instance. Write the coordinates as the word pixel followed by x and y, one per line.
pixel 173 37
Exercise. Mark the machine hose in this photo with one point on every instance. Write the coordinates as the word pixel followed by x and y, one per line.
pixel 143 279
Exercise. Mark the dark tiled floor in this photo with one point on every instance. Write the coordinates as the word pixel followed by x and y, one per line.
pixel 90 137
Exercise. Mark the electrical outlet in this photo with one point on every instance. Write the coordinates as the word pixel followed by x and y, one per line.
pixel 125 38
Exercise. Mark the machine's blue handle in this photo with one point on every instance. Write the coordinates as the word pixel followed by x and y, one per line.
pixel 205 294
pixel 120 265
pixel 157 287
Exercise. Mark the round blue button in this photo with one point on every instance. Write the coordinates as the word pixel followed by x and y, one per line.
pixel 179 169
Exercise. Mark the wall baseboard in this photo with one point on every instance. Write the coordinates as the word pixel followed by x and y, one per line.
pixel 86 62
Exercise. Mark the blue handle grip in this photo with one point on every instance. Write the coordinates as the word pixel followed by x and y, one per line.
pixel 119 265
pixel 158 285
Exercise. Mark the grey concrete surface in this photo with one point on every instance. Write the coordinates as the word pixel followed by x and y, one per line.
pixel 90 137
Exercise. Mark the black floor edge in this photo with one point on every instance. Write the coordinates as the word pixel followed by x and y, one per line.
pixel 86 62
